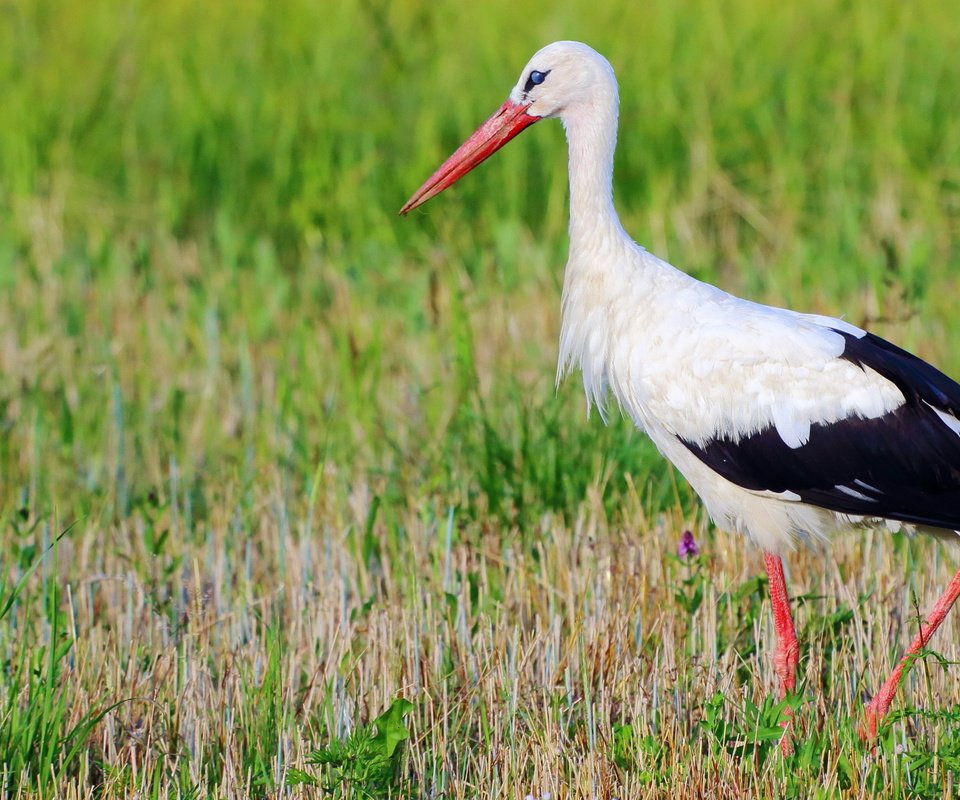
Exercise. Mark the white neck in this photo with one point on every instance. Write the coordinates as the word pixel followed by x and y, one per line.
pixel 592 139
pixel 602 256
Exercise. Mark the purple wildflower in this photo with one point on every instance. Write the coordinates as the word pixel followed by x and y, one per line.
pixel 688 546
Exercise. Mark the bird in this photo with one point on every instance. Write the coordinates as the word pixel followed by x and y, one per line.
pixel 790 427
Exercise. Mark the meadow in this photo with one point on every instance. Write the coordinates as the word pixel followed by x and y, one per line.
pixel 289 502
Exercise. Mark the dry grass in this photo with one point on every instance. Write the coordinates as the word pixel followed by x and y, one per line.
pixel 519 663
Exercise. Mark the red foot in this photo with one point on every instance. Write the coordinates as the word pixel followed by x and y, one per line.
pixel 868 730
pixel 785 661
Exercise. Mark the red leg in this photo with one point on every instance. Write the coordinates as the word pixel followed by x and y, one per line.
pixel 880 704
pixel 788 650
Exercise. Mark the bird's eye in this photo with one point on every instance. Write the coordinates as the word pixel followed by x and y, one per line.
pixel 535 79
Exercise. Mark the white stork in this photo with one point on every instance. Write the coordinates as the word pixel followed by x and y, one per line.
pixel 789 426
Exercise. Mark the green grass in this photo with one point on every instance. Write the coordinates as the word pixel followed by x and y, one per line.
pixel 311 457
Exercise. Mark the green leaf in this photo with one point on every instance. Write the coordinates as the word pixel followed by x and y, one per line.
pixel 390 728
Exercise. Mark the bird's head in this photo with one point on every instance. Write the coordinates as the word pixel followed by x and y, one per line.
pixel 564 79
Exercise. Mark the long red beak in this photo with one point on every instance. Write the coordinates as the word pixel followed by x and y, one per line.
pixel 510 119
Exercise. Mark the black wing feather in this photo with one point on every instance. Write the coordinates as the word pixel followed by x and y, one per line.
pixel 904 465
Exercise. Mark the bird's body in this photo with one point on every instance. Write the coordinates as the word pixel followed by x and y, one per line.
pixel 754 404
pixel 787 425
pixel 691 364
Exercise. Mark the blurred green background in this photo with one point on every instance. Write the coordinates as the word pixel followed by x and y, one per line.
pixel 185 187
pixel 221 348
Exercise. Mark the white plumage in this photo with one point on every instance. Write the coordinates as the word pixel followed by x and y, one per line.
pixel 787 425
pixel 684 359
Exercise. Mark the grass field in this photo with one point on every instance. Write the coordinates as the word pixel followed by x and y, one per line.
pixel 274 462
